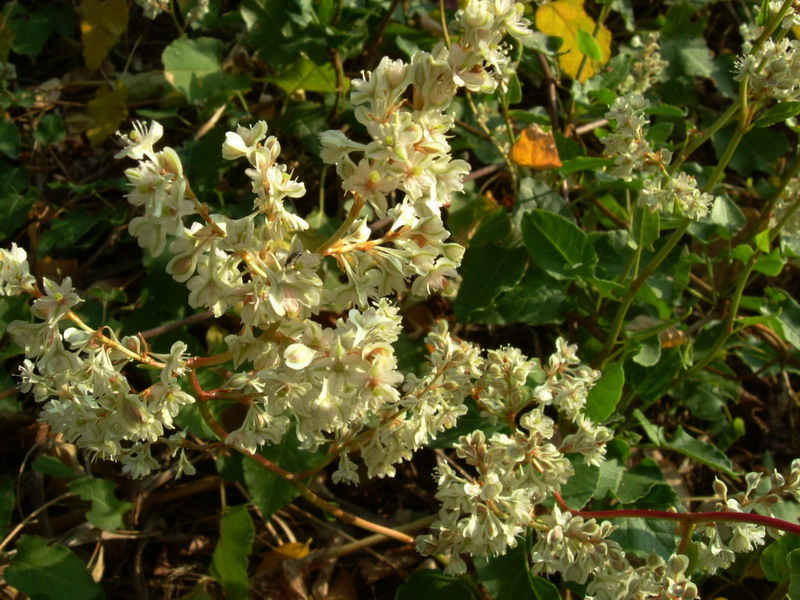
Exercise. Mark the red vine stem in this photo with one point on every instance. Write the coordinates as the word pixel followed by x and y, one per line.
pixel 686 518
pixel 292 478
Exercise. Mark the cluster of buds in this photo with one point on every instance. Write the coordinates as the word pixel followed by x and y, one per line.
pixel 633 157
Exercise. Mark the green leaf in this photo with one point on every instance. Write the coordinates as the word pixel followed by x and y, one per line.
pixel 107 510
pixel 508 576
pixel 778 113
pixel 770 264
pixel 304 74
pixel 50 572
pixel 588 46
pixel 192 66
pixel 269 491
pixel 584 163
pixel 742 253
pixel 434 585
pixel 537 299
pixel 642 537
pixel 759 149
pixel 557 245
pixel 7 500
pixel 727 216
pixel 487 271
pixel 49 465
pixel 229 562
pixel 9 138
pixel 774 557
pixel 646 228
pixel 603 397
pixel 14 207
pixel 582 486
pixel 683 443
pixel 789 316
pixel 649 352
pixel 650 383
pixel 32 29
pixel 514 90
pixel 626 484
pixel 50 129
pixel 793 560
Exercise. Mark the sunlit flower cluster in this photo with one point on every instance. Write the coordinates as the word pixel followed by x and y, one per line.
pixel 634 158
pixel 407 160
pixel 773 71
pixel 484 512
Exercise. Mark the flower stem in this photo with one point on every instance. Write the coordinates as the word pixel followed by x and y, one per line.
pixel 687 517
pixel 627 300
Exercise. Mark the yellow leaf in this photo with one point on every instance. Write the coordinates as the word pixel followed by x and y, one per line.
pixel 107 110
pixel 102 22
pixel 292 550
pixel 563 18
pixel 536 148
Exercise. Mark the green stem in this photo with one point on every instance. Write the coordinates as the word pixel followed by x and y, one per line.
pixel 690 147
pixel 727 329
pixel 619 318
pixel 726 158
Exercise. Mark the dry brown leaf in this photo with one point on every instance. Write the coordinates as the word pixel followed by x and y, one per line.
pixel 536 148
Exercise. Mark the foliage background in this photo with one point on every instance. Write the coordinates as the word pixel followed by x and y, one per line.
pixel 548 254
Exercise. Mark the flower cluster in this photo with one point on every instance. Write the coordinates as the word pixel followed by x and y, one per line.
pixel 627 144
pixel 773 70
pixel 328 384
pixel 718 544
pixel 15 277
pixel 633 157
pixel 483 513
pixel 680 191
pixel 402 106
pixel 786 204
pixel 647 65
pixel 79 377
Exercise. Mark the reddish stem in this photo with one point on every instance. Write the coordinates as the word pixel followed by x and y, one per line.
pixel 687 517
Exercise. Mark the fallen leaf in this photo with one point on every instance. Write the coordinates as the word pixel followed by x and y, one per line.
pixel 563 18
pixel 536 148
pixel 102 22
pixel 107 110
pixel 292 550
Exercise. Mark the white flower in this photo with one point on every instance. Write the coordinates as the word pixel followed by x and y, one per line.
pixel 139 142
pixel 298 356
pixel 15 276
